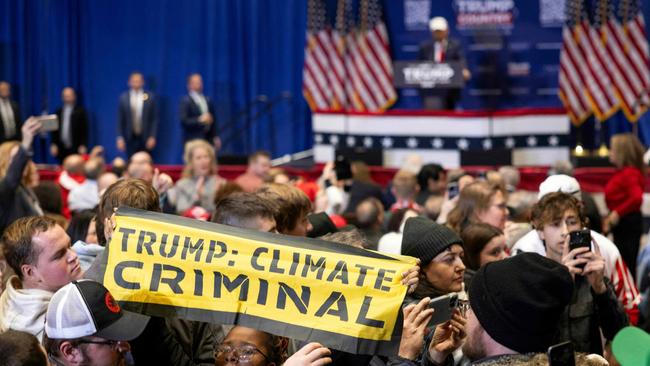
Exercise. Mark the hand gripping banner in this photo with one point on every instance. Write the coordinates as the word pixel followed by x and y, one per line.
pixel 306 289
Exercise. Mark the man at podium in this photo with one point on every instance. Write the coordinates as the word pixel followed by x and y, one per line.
pixel 442 49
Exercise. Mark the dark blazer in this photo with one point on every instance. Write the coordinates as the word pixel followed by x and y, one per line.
pixel 453 52
pixel 192 128
pixel 149 116
pixel 359 191
pixel 16 200
pixel 78 128
pixel 19 122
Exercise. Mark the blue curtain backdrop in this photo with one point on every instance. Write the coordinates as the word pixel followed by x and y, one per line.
pixel 243 48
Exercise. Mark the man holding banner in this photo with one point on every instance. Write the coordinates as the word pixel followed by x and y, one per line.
pixel 311 290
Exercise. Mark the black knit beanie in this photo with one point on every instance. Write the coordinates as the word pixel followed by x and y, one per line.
pixel 519 300
pixel 425 239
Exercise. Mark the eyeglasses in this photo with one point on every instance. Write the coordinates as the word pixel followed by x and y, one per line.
pixel 244 353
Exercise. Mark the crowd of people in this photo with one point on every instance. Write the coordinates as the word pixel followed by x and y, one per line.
pixel 505 254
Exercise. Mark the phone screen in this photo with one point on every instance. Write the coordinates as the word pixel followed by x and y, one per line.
pixel 443 308
pixel 452 190
pixel 561 355
pixel 579 239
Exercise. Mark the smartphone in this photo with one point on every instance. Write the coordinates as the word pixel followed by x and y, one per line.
pixel 48 123
pixel 580 239
pixel 561 355
pixel 452 190
pixel 443 308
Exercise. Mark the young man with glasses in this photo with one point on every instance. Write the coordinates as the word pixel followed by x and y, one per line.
pixel 85 326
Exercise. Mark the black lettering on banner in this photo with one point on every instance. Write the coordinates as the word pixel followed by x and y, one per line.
pixel 173 283
pixel 255 257
pixel 294 264
pixel 146 244
pixel 342 308
pixel 263 294
pixel 363 270
pixel 381 278
pixel 198 282
pixel 311 266
pixel 118 275
pixel 212 254
pixel 240 281
pixel 301 303
pixel 173 246
pixel 196 248
pixel 340 272
pixel 274 263
pixel 125 237
pixel 363 313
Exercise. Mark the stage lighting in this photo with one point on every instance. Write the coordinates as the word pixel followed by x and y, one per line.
pixel 603 151
pixel 579 150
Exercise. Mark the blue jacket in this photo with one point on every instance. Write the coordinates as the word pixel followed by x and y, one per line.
pixel 149 116
pixel 189 115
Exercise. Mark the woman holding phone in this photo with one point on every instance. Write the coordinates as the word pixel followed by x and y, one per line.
pixel 440 251
pixel 17 172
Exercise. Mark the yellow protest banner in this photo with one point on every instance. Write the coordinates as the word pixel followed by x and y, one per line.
pixel 307 289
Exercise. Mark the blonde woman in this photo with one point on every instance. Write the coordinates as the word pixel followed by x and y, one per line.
pixel 200 180
pixel 17 175
pixel 624 195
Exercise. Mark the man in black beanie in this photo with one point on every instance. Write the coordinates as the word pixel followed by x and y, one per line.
pixel 516 304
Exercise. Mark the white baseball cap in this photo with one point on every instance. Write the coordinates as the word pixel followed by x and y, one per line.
pixel 560 183
pixel 438 24
pixel 83 308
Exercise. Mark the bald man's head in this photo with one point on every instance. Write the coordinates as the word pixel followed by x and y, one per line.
pixel 68 96
pixel 5 89
pixel 74 164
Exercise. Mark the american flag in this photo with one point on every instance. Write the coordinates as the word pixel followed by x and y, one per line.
pixel 604 60
pixel 629 36
pixel 359 73
pixel 319 82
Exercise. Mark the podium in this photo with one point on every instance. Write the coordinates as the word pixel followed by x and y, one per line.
pixel 428 75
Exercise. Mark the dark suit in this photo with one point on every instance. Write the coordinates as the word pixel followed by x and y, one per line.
pixel 135 143
pixel 78 131
pixel 452 52
pixel 359 191
pixel 192 128
pixel 18 123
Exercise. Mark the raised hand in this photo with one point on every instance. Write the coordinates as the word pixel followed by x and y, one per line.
pixel 416 318
pixel 594 271
pixel 312 354
pixel 411 278
pixel 29 129
pixel 447 337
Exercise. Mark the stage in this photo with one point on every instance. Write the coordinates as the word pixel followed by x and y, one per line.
pixel 528 137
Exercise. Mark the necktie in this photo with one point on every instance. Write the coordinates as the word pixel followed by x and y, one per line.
pixel 438 53
pixel 8 119
pixel 203 105
pixel 136 99
pixel 65 128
